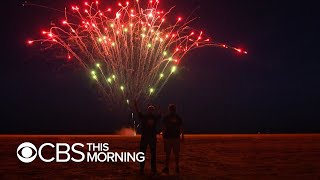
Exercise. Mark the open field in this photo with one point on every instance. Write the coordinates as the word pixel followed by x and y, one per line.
pixel 203 157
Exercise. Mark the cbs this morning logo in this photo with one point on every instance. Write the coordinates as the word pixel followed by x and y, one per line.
pixel 88 152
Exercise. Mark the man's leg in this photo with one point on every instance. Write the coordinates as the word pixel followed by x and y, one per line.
pixel 167 150
pixel 176 151
pixel 153 149
pixel 143 148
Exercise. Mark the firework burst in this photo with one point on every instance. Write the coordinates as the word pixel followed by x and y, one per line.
pixel 130 52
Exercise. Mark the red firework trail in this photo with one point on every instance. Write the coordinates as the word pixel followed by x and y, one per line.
pixel 130 51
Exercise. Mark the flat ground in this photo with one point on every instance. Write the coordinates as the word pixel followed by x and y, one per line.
pixel 203 157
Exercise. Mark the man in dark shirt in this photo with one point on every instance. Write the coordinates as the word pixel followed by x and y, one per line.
pixel 172 129
pixel 149 134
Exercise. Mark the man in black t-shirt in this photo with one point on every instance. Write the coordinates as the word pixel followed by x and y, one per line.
pixel 148 135
pixel 172 129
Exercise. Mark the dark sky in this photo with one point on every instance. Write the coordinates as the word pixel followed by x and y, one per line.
pixel 275 88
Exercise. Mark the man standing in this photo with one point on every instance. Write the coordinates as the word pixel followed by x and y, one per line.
pixel 172 129
pixel 148 134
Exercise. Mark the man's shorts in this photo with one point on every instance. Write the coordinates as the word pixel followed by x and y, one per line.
pixel 172 143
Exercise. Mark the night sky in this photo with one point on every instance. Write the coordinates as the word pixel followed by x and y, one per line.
pixel 274 89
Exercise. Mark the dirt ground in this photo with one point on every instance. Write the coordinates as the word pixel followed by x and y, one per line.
pixel 203 157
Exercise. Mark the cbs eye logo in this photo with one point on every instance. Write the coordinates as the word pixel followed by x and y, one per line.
pixel 25 151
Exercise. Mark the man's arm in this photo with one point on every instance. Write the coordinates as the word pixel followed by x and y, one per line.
pixel 136 108
pixel 182 133
pixel 159 115
pixel 181 129
pixel 163 125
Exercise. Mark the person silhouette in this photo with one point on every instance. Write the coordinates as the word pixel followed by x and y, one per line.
pixel 172 129
pixel 149 122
